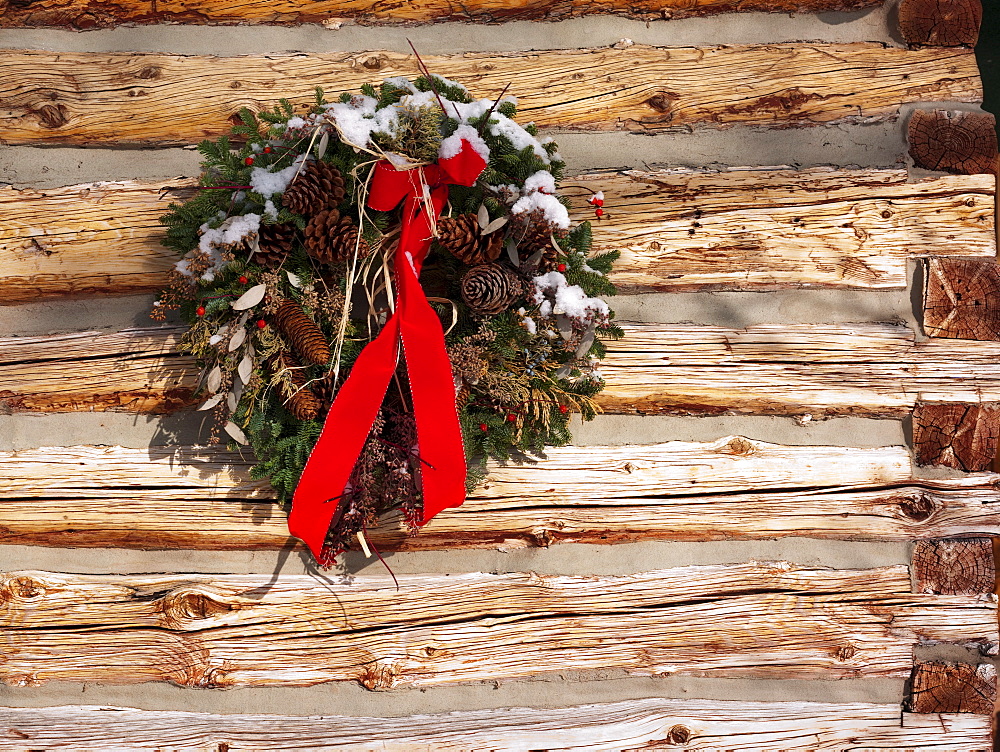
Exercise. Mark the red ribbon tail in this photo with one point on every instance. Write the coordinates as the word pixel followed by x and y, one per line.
pixel 318 496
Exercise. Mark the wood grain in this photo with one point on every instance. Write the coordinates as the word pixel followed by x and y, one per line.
pixel 642 723
pixel 677 230
pixel 771 620
pixel 796 369
pixel 953 688
pixel 962 298
pixel 90 14
pixel 954 566
pixel 180 497
pixel 945 23
pixel 954 141
pixel 119 98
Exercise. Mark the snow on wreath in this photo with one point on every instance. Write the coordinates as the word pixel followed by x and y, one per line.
pixel 385 292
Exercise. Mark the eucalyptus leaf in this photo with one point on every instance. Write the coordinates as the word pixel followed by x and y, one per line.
pixel 250 298
pixel 214 380
pixel 495 225
pixel 239 337
pixel 484 217
pixel 512 252
pixel 245 368
pixel 232 401
pixel 293 280
pixel 211 402
pixel 587 342
pixel 563 372
pixel 535 258
pixel 565 327
pixel 324 142
pixel 236 433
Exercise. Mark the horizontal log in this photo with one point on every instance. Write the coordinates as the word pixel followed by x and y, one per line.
pixel 815 369
pixel 118 98
pixel 768 620
pixel 733 487
pixel 705 724
pixel 677 230
pixel 90 14
pixel 203 499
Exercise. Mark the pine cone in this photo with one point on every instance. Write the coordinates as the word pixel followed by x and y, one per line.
pixel 299 399
pixel 490 288
pixel 323 388
pixel 463 238
pixel 332 238
pixel 302 332
pixel 537 237
pixel 274 244
pixel 319 186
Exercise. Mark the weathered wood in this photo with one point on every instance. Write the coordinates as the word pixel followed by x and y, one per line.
pixel 944 23
pixel 117 98
pixel 796 369
pixel 954 141
pixel 757 620
pixel 962 298
pixel 645 723
pixel 150 377
pixel 954 567
pixel 203 498
pixel 953 688
pixel 961 436
pixel 677 230
pixel 90 14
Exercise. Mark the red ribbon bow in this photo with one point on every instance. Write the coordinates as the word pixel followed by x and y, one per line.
pixel 414 324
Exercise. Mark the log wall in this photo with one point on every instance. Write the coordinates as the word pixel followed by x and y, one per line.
pixel 770 502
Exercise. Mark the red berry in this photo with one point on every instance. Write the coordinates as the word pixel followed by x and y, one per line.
pixel 200 310
pixel 261 323
pixel 561 267
pixel 511 418
pixel 243 280
pixel 483 427
pixel 248 161
pixel 599 212
pixel 267 149
pixel 563 409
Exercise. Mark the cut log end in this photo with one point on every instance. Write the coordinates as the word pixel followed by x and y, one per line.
pixel 940 23
pixel 954 567
pixel 953 688
pixel 954 141
pixel 959 435
pixel 962 299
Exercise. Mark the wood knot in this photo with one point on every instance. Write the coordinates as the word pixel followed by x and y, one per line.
pixel 373 63
pixel 542 537
pixel 150 72
pixel 53 115
pixel 737 445
pixel 846 652
pixel 678 735
pixel 181 608
pixel 917 507
pixel 663 101
pixel 24 588
pixel 378 676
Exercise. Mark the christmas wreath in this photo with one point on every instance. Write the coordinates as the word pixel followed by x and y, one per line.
pixel 384 292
